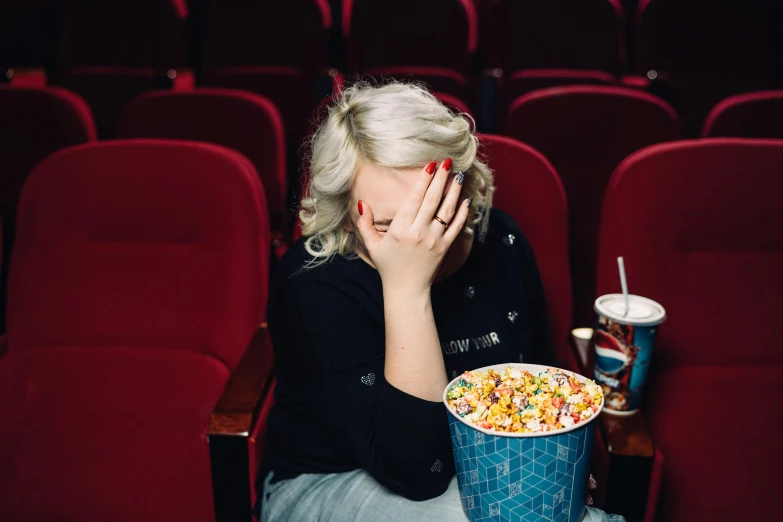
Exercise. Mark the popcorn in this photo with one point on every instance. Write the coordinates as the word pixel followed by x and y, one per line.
pixel 521 402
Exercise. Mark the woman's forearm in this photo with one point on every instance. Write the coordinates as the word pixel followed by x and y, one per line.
pixel 414 361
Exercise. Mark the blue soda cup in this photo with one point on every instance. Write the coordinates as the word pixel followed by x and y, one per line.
pixel 624 341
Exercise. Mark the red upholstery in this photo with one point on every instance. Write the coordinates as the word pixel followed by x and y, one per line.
pixel 111 54
pixel 278 49
pixel 753 115
pixel 244 121
pixel 34 122
pixel 585 131
pixel 528 80
pixel 142 33
pixel 573 34
pixel 108 90
pixel 435 78
pixel 452 102
pixel 529 190
pixel 293 33
pixel 138 277
pixel 698 224
pixel 442 33
pixel 707 50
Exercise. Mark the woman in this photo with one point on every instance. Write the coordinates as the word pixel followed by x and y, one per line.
pixel 406 275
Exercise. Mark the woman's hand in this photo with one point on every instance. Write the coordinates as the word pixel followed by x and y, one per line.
pixel 591 484
pixel 407 257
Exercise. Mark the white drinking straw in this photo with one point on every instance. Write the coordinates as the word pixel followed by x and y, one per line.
pixel 623 282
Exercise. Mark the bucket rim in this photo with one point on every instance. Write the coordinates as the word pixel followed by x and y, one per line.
pixel 532 368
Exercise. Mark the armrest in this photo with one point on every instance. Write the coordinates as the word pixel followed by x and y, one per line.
pixel 232 427
pixel 624 452
pixel 630 453
pixel 655 487
pixel 236 410
pixel 627 436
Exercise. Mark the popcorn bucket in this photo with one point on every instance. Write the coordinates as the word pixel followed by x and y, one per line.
pixel 521 477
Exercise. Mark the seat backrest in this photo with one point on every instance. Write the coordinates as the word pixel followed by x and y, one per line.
pixel 243 121
pixel 454 103
pixel 586 131
pixel 142 33
pixel 531 34
pixel 707 51
pixel 441 33
pixel 159 242
pixel 752 115
pixel 138 278
pixel 698 223
pixel 529 190
pixel 33 124
pixel 292 33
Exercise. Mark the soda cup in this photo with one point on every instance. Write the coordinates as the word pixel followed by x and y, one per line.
pixel 623 343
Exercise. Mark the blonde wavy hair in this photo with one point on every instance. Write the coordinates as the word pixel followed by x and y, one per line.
pixel 396 125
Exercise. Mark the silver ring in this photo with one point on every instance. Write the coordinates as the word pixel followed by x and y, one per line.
pixel 439 220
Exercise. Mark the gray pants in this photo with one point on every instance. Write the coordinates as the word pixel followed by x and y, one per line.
pixel 356 496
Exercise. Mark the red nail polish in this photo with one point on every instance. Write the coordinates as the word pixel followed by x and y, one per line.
pixel 447 164
pixel 431 167
pixel 361 208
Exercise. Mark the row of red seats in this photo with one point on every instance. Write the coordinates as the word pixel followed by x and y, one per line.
pixel 584 131
pixel 139 279
pixel 696 52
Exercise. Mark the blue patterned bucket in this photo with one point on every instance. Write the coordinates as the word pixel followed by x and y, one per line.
pixel 530 477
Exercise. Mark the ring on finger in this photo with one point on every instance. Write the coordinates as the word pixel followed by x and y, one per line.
pixel 439 220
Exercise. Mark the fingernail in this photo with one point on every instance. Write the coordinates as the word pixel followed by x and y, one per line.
pixel 468 202
pixel 361 208
pixel 430 167
pixel 447 165
pixel 460 178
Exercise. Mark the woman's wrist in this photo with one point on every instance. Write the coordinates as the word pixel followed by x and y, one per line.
pixel 407 295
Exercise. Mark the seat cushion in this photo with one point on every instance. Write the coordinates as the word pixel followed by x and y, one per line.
pixel 98 433
pixel 715 429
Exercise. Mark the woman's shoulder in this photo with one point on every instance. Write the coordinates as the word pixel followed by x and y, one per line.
pixel 299 268
pixel 502 227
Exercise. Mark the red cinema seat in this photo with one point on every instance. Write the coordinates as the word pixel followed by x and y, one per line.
pixel 556 34
pixel 526 80
pixel 276 49
pixel 138 278
pixel 698 223
pixel 706 51
pixel 432 41
pixel 752 115
pixel 585 131
pixel 541 44
pixel 243 121
pixel 529 190
pixel 34 122
pixel 111 54
pixel 454 103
